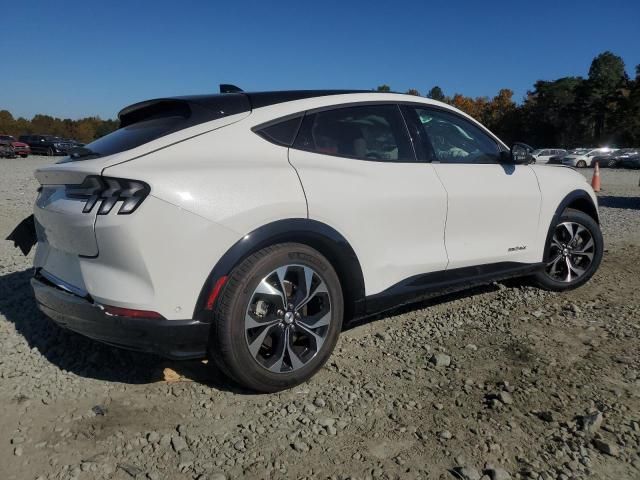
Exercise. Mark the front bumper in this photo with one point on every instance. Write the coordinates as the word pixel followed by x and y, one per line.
pixel 174 339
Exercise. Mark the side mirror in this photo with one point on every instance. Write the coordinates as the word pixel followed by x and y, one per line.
pixel 520 154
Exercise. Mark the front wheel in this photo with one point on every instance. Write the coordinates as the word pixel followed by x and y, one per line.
pixel 50 152
pixel 574 252
pixel 278 318
pixel 581 164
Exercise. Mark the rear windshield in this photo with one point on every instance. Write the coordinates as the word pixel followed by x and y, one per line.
pixel 146 121
pixel 126 138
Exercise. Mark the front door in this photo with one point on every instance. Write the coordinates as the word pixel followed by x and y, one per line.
pixel 493 207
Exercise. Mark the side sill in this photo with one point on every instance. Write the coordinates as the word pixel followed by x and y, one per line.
pixel 422 287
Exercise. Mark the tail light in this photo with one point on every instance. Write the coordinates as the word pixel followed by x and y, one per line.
pixel 107 191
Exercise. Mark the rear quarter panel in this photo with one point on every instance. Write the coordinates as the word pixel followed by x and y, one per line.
pixel 229 176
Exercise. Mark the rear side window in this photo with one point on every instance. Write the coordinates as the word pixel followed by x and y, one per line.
pixel 282 132
pixel 368 132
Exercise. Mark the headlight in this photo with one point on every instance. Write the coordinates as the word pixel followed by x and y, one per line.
pixel 108 191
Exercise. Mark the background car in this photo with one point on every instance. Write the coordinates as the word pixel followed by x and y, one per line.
pixel 584 158
pixel 6 149
pixel 20 148
pixel 613 159
pixel 632 161
pixel 47 144
pixel 557 159
pixel 543 155
pixel 73 143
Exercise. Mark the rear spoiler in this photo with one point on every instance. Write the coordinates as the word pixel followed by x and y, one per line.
pixel 194 109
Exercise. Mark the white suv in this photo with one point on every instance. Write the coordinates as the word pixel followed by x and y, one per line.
pixel 248 227
pixel 542 155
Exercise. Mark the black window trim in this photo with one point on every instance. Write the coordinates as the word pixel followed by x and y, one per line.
pixel 256 129
pixel 415 142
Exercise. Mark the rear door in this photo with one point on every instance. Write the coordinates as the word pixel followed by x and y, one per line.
pixel 360 176
pixel 493 207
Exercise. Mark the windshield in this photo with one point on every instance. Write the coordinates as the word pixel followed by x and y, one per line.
pixel 7 137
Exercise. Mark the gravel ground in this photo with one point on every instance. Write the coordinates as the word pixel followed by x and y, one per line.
pixel 505 381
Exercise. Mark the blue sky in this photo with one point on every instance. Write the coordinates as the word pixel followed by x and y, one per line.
pixel 80 58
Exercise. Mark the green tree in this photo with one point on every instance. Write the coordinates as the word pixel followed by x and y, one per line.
pixel 604 93
pixel 436 93
pixel 383 88
pixel 413 91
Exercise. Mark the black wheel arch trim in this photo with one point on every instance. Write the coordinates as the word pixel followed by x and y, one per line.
pixel 324 238
pixel 576 196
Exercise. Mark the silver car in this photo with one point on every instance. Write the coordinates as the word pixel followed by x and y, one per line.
pixel 584 157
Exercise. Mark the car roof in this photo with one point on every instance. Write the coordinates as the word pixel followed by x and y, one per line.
pixel 270 104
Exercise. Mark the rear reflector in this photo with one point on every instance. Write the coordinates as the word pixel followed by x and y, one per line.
pixel 215 291
pixel 130 312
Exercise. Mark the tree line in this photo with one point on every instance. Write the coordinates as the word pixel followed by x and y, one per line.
pixel 84 130
pixel 602 109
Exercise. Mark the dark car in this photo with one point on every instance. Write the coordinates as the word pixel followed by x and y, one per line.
pixel 74 143
pixel 19 148
pixel 631 161
pixel 557 159
pixel 47 144
pixel 614 159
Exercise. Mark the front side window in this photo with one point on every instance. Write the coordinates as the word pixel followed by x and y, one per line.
pixel 368 132
pixel 455 139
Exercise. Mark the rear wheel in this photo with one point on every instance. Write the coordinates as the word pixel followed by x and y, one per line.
pixel 581 164
pixel 50 152
pixel 574 252
pixel 278 318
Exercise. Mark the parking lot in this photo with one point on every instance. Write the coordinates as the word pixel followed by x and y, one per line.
pixel 539 385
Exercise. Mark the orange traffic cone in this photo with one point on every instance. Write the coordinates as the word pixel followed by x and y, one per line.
pixel 595 181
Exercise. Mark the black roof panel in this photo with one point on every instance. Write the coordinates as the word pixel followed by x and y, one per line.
pixel 197 109
pixel 263 99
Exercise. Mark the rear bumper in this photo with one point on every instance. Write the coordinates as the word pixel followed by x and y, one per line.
pixel 175 339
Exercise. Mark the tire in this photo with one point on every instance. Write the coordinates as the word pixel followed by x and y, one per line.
pixel 49 152
pixel 581 164
pixel 256 357
pixel 612 164
pixel 582 267
pixel 24 156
